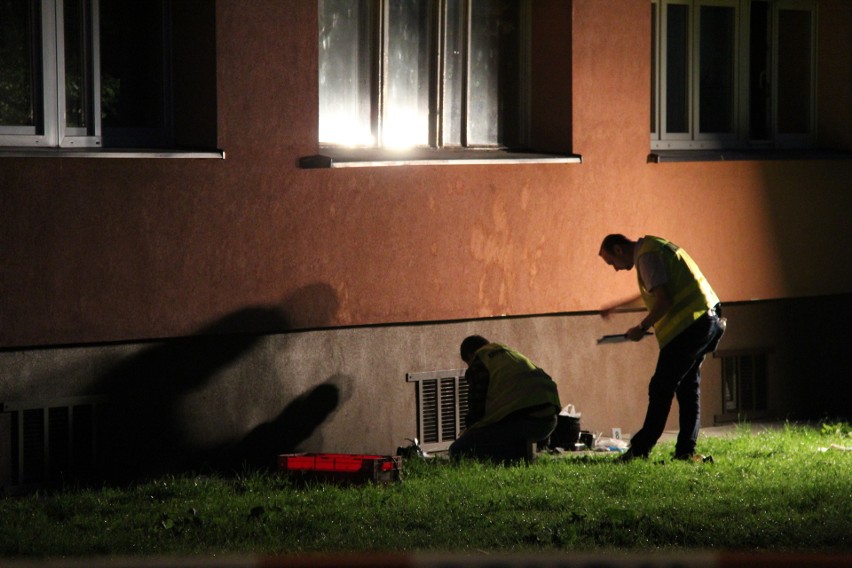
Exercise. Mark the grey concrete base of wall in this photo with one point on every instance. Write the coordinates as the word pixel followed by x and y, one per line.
pixel 240 399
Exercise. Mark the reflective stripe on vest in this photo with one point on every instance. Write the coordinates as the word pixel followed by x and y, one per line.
pixel 691 294
pixel 514 383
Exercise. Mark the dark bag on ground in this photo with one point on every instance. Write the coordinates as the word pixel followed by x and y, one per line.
pixel 413 450
pixel 567 432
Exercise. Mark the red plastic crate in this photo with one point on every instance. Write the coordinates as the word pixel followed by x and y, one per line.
pixel 355 468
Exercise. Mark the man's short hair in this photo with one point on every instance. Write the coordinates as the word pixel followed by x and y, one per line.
pixel 470 345
pixel 613 240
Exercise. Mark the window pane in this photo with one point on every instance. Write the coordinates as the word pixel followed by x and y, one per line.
pixel 746 383
pixel 760 379
pixel 406 102
pixel 653 68
pixel 493 81
pixel 345 72
pixel 19 84
pixel 77 75
pixel 454 51
pixel 759 94
pixel 132 64
pixel 677 66
pixel 730 387
pixel 716 82
pixel 794 71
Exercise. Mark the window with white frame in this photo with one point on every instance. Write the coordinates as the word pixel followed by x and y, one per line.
pixel 99 73
pixel 49 73
pixel 733 74
pixel 423 73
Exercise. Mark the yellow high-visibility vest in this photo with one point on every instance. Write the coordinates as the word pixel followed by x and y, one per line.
pixel 514 383
pixel 691 294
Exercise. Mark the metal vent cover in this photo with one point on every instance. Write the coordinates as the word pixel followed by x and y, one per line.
pixel 45 442
pixel 441 406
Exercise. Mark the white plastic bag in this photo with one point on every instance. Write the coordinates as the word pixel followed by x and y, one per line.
pixel 569 410
pixel 607 444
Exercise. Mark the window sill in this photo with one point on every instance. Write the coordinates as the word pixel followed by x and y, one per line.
pixel 21 152
pixel 661 156
pixel 371 158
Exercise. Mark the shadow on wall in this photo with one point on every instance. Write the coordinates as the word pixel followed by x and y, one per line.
pixel 821 358
pixel 282 435
pixel 143 430
pixel 807 205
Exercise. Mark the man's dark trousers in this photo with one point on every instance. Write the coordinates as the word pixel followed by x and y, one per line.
pixel 678 374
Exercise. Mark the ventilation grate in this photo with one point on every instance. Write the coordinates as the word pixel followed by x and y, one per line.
pixel 48 441
pixel 441 406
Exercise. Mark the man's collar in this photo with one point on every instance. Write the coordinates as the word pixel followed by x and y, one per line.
pixel 636 248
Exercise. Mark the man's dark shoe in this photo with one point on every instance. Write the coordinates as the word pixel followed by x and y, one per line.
pixel 630 455
pixel 697 458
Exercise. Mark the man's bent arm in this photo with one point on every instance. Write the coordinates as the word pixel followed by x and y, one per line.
pixel 630 302
pixel 662 304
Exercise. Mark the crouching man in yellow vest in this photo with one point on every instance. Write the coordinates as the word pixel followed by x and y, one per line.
pixel 686 316
pixel 511 403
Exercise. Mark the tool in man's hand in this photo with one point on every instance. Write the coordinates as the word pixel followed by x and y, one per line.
pixel 617 338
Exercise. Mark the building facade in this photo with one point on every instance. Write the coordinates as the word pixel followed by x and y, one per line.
pixel 199 269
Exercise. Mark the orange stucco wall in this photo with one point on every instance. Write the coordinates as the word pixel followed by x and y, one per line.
pixel 123 249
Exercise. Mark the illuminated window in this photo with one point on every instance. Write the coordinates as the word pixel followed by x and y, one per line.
pixel 732 73
pixel 423 73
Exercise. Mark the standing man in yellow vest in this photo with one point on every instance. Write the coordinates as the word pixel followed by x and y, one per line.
pixel 686 316
pixel 511 403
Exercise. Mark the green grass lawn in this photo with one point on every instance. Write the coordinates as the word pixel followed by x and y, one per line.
pixel 773 491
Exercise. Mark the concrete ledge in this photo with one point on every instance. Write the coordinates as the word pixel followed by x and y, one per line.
pixel 372 158
pixel 754 155
pixel 184 153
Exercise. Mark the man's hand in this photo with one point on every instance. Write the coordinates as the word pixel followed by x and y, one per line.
pixel 635 333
